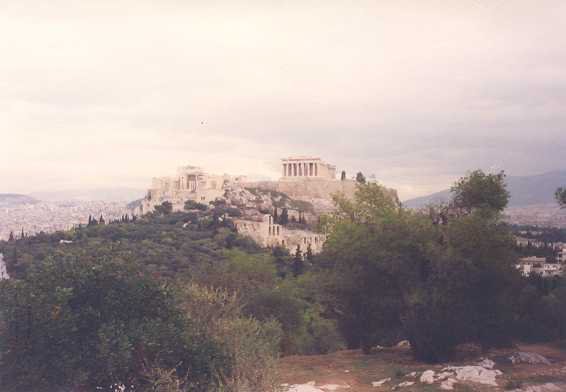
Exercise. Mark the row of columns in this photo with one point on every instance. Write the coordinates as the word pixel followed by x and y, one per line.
pixel 189 182
pixel 300 169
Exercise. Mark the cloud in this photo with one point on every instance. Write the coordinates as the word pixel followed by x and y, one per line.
pixel 113 92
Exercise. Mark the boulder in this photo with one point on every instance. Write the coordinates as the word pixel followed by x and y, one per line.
pixel 405 384
pixel 380 382
pixel 403 344
pixel 427 377
pixel 448 384
pixel 530 358
pixel 311 387
pixel 475 374
pixel 486 363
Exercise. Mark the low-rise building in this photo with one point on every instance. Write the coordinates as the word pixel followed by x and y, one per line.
pixel 538 266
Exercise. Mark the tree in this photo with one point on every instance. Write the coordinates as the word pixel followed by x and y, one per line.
pixel 11 238
pixel 393 274
pixel 275 216
pixel 102 325
pixel 343 176
pixel 360 178
pixel 560 196
pixel 298 262
pixel 478 190
pixel 284 218
pixel 193 205
pixel 164 208
pixel 309 255
pixel 101 220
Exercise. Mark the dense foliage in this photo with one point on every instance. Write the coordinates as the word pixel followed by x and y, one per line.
pixel 76 324
pixel 438 278
pixel 146 267
pixel 178 301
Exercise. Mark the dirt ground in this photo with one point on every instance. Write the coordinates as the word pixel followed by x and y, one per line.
pixel 357 370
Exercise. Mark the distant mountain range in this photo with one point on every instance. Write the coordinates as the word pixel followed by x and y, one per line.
pixel 525 191
pixel 124 195
pixel 14 199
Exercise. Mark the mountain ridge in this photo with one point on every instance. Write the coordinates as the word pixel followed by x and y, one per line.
pixel 525 190
pixel 14 199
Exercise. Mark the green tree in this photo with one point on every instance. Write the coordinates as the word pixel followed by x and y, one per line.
pixel 275 215
pixel 193 205
pixel 284 218
pixel 298 262
pixel 479 190
pixel 164 208
pixel 392 273
pixel 560 196
pixel 343 175
pixel 360 178
pixel 74 325
pixel 309 255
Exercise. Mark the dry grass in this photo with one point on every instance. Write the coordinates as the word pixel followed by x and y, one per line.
pixel 358 370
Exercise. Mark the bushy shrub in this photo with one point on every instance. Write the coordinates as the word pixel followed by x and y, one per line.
pixel 252 346
pixel 72 325
pixel 193 205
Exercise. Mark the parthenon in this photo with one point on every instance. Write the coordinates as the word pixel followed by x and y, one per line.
pixel 297 168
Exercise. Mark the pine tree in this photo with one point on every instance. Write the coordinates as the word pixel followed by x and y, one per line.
pixel 101 220
pixel 298 263
pixel 343 176
pixel 309 255
pixel 360 178
pixel 23 235
pixel 11 238
pixel 275 215
pixel 284 218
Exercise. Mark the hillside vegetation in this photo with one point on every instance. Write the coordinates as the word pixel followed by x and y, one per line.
pixel 181 302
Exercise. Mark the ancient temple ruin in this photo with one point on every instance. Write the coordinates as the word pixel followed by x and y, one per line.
pixel 190 183
pixel 300 168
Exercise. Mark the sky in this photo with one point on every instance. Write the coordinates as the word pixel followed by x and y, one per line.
pixel 111 93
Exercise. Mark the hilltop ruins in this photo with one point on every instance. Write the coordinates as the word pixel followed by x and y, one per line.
pixel 304 192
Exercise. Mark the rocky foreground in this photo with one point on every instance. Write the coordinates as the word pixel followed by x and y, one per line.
pixel 525 368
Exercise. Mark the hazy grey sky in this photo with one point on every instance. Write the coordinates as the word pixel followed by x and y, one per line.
pixel 105 93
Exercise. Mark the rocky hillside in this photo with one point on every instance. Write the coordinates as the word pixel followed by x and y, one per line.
pixel 525 368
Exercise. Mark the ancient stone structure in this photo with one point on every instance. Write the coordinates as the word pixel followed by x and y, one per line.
pixel 190 183
pixel 306 179
pixel 301 168
pixel 269 234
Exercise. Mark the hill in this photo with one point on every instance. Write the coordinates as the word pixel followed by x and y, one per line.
pixel 14 199
pixel 525 191
pixel 97 194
